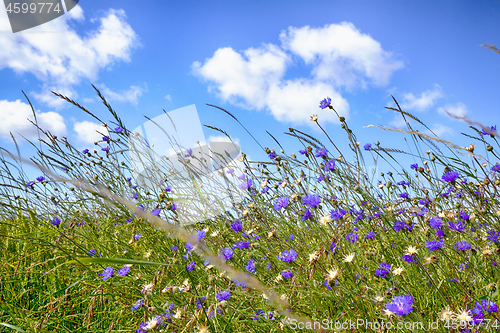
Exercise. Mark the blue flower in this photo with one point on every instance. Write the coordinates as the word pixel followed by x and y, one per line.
pixel 352 237
pixel 105 138
pixel 307 214
pixel 368 146
pixel 330 165
pixel 189 153
pixel 190 266
pixel 227 253
pixel 325 103
pixel 118 129
pixel 272 155
pixel 85 151
pixel 91 253
pixel 40 179
pixel 414 166
pixel 30 184
pixel 237 226
pixel 250 266
pixel 137 236
pixel 450 176
pixel 311 200
pixel 492 129
pixel 434 245
pixel 493 236
pixel 55 221
pixel 403 195
pixel 137 305
pixel 496 168
pixel 287 274
pixel 462 246
pixel 246 185
pixel 320 152
pixel 383 270
pixel 223 295
pixel 370 234
pixel 241 245
pixel 281 203
pixel 288 256
pixel 407 258
pixel 435 222
pixel 458 226
pixel 156 212
pixel 105 149
pixel 303 151
pixel 401 305
pixel 123 271
pixel 108 272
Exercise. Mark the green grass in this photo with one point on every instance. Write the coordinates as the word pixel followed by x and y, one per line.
pixel 49 280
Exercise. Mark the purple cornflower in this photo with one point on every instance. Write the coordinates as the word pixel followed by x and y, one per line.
pixel 137 236
pixel 223 295
pixel 272 155
pixel 168 189
pixel 40 179
pixel 403 183
pixel 311 200
pixel 330 165
pixel 250 266
pixel 135 196
pixel 424 201
pixel 108 272
pixel 492 129
pixel 227 253
pixel 85 151
pixel 156 212
pixel 462 246
pixel 288 256
pixel 189 153
pixel 105 138
pixel 230 171
pixel 30 184
pixel 237 226
pixel 434 245
pixel 307 214
pixel 458 226
pixel 403 195
pixel 401 305
pixel 493 236
pixel 287 274
pixel 333 248
pixel 450 176
pixel 246 185
pixel 407 258
pixel 320 152
pixel 400 225
pixel 242 245
pixel 281 203
pixel 137 305
pixel 190 266
pixel 435 222
pixel 337 214
pixel 352 237
pixel 383 270
pixel 55 221
pixel 321 178
pixel 105 149
pixel 325 103
pixel 118 129
pixel 496 168
pixel 370 234
pixel 91 253
pixel 368 146
pixel 123 271
pixel 303 151
pixel 414 166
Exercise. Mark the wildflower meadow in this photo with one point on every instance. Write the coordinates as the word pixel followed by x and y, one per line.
pixel 315 242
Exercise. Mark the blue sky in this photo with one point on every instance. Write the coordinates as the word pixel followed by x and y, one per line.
pixel 267 62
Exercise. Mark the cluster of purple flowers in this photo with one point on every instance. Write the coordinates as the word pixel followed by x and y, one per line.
pixel 288 255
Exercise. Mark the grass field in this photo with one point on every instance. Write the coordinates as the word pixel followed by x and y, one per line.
pixel 316 243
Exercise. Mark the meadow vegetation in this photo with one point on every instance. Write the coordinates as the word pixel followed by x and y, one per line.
pixel 316 242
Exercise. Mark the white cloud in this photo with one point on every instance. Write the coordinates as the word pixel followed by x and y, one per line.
pixel 15 115
pixel 63 59
pixel 296 100
pixel 129 96
pixel 87 131
pixel 426 99
pixel 243 81
pixel 458 109
pixel 168 98
pixel 441 130
pixel 341 54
